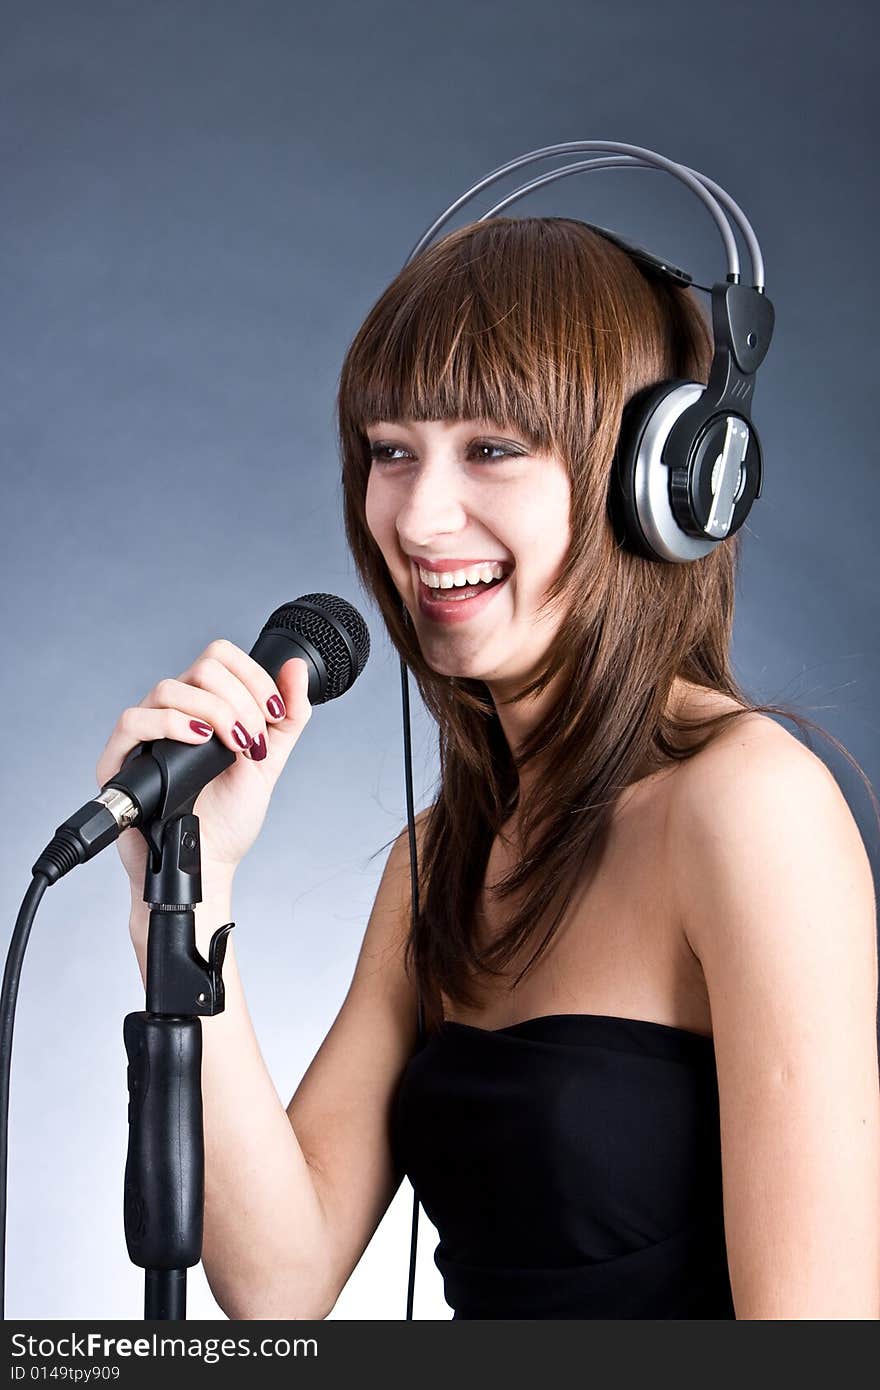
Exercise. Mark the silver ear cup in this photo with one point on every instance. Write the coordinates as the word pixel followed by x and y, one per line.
pixel 651 481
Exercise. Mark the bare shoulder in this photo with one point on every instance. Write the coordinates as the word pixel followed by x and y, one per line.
pixel 760 817
pixel 749 744
pixel 753 753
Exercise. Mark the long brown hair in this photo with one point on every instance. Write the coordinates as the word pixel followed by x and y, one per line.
pixel 543 325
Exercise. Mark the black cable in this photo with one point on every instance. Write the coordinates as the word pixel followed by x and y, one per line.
pixel 414 878
pixel 414 1234
pixel 14 957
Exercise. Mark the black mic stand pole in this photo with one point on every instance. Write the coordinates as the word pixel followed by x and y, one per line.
pixel 165 1167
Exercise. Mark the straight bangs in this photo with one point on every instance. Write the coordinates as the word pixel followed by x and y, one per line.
pixel 541 325
pixel 465 331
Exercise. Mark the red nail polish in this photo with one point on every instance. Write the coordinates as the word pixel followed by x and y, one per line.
pixel 275 706
pixel 200 727
pixel 258 749
pixel 241 735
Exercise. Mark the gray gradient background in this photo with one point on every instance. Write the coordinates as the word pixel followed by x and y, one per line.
pixel 202 202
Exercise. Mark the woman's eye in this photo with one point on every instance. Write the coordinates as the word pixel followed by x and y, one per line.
pixel 495 448
pixel 379 452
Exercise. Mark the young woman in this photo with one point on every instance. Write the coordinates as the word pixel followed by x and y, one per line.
pixel 646 941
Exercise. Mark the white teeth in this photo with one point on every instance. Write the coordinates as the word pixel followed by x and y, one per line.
pixel 474 574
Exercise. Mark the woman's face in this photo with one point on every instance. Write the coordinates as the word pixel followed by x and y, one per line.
pixel 462 491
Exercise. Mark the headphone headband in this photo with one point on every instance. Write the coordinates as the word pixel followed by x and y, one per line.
pixel 625 156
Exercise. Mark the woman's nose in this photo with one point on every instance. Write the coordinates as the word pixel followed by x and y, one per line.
pixel 432 506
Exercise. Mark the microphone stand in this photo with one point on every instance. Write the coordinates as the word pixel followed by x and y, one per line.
pixel 165 1166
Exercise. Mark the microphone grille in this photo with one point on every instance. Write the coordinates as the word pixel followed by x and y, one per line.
pixel 335 627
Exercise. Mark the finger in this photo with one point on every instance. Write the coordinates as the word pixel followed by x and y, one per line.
pixel 257 680
pixel 232 712
pixel 210 674
pixel 293 683
pixel 140 725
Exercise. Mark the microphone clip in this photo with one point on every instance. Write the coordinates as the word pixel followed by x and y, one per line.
pixel 179 980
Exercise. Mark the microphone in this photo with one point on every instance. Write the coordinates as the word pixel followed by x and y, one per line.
pixel 161 778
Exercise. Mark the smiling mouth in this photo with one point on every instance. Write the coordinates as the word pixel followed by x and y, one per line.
pixel 456 591
pixel 458 594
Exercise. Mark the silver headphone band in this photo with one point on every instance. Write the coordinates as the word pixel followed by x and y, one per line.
pixel 709 193
pixel 625 162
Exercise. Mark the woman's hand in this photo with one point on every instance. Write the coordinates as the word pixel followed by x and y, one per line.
pixel 227 695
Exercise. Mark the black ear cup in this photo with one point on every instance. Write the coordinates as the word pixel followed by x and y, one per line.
pixel 712 489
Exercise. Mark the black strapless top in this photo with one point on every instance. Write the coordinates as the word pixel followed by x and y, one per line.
pixel 572 1167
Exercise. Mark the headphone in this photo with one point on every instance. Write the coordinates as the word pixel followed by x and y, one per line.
pixel 687 465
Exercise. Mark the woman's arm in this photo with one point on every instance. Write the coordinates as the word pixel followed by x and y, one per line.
pixel 777 902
